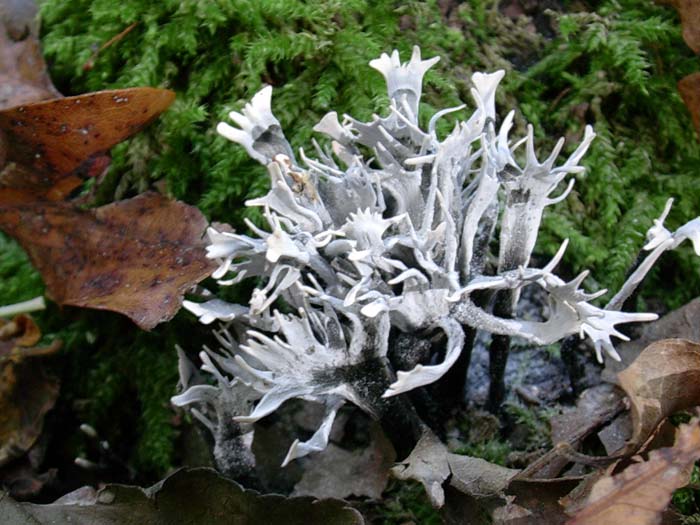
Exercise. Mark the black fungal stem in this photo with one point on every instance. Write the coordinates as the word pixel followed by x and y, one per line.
pixel 498 353
pixel 396 414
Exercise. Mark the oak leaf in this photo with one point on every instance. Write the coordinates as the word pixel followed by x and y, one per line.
pixel 27 392
pixel 689 88
pixel 641 492
pixel 664 379
pixel 137 257
pixel 689 11
pixel 199 495
pixel 51 146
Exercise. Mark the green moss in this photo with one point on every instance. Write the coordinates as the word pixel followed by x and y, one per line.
pixel 18 280
pixel 494 450
pixel 402 502
pixel 119 379
pixel 617 69
pixel 686 499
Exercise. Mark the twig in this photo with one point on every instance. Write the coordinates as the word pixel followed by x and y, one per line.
pixel 116 38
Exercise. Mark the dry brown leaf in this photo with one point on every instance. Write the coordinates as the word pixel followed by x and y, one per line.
pixel 681 323
pixel 641 492
pixel 48 144
pixel 664 379
pixel 473 479
pixel 428 464
pixel 689 11
pixel 340 473
pixel 137 257
pixel 614 436
pixel 27 393
pixel 23 75
pixel 49 141
pixel 689 88
pixel 594 407
pixel 540 500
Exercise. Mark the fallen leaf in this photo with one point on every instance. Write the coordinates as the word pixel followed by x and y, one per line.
pixel 340 473
pixel 478 488
pixel 681 323
pixel 48 143
pixel 23 75
pixel 641 492
pixel 615 435
pixel 689 11
pixel 56 143
pixel 27 392
pixel 535 502
pixel 594 408
pixel 137 257
pixel 22 481
pixel 432 464
pixel 477 477
pixel 689 88
pixel 664 379
pixel 428 464
pixel 198 495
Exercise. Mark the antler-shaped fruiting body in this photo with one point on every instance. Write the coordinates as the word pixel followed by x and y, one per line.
pixel 388 231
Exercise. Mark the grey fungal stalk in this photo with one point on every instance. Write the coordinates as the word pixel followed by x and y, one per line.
pixel 379 241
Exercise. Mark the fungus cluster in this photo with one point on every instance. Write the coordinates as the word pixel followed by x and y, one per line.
pixel 386 235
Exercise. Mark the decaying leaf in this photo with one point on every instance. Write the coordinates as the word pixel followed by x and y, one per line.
pixel 52 145
pixel 427 464
pixel 478 488
pixel 23 75
pixel 641 492
pixel 49 143
pixel 188 496
pixel 530 502
pixel 681 323
pixel 27 393
pixel 340 473
pixel 432 464
pixel 477 477
pixel 136 257
pixel 664 379
pixel 614 436
pixel 594 408
pixel 689 11
pixel 689 88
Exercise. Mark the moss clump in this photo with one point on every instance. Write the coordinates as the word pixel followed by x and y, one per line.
pixel 617 68
pixel 120 380
pixel 18 280
pixel 402 502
